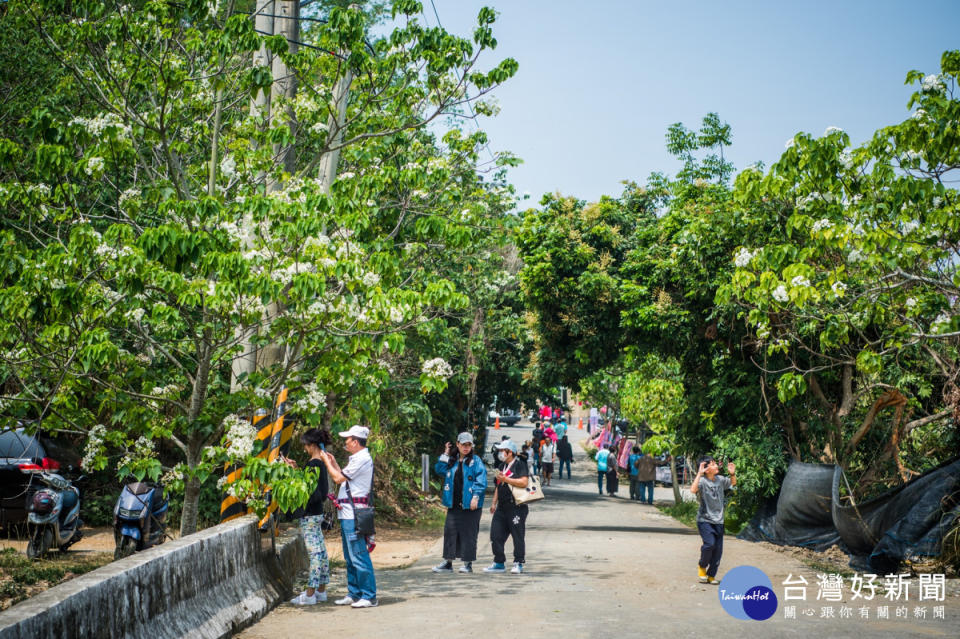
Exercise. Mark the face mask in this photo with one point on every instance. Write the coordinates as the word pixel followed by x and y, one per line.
pixel 502 456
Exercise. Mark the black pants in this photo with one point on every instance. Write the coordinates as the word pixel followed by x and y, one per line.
pixel 510 521
pixel 460 531
pixel 634 492
pixel 712 548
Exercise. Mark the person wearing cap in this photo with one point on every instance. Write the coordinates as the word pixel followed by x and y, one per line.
pixel 361 581
pixel 464 483
pixel 509 519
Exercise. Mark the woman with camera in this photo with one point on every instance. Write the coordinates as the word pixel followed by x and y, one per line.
pixel 464 482
pixel 311 517
pixel 509 519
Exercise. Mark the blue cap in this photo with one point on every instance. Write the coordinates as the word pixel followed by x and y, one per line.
pixel 507 444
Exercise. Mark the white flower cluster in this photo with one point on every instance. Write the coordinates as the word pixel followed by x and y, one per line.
pixel 910 227
pixel 855 256
pixel 111 253
pixel 911 302
pixel 172 475
pixel 94 166
pixel 838 288
pixel 941 324
pixel 240 436
pixel 285 275
pixel 95 446
pixel 932 83
pixel 370 279
pixel 789 143
pixel 129 194
pixel 799 280
pixel 96 126
pixel 142 449
pixel 228 167
pixel 805 201
pixel 313 399
pixel 743 258
pixel 919 114
pixel 437 368
pixel 912 156
pixel 135 315
pixel 780 294
pixel 165 391
pixel 846 159
pixel 821 224
pixel 39 189
pixel 832 129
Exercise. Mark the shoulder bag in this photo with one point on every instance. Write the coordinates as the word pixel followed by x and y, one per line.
pixel 363 515
pixel 533 491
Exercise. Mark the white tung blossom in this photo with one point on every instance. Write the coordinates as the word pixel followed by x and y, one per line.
pixel 370 279
pixel 313 399
pixel 911 302
pixel 437 368
pixel 919 114
pixel 838 288
pixel 95 446
pixel 846 159
pixel 941 324
pixel 932 82
pixel 832 129
pixel 743 258
pixel 240 436
pixel 789 143
pixel 910 227
pixel 855 256
pixel 780 294
pixel 800 280
pixel 94 166
pixel 821 225
pixel 135 315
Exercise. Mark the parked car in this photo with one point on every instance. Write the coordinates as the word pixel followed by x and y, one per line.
pixel 663 472
pixel 19 450
pixel 507 417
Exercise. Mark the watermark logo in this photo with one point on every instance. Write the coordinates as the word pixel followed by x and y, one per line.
pixel 747 593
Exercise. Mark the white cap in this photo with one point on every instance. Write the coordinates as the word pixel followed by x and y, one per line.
pixel 464 438
pixel 358 431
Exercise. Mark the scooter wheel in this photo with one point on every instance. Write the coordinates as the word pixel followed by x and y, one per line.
pixel 39 543
pixel 128 546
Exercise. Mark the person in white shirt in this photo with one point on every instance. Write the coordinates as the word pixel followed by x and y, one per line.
pixel 361 581
pixel 547 454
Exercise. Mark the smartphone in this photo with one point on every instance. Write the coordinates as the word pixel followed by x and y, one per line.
pixel 322 447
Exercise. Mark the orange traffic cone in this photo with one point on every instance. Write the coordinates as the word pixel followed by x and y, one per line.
pixel 580 424
pixel 496 424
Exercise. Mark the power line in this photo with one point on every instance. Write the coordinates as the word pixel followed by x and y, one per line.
pixel 473 115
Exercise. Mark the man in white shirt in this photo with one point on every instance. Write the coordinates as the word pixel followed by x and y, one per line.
pixel 361 581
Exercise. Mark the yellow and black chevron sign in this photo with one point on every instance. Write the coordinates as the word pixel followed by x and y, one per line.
pixel 273 439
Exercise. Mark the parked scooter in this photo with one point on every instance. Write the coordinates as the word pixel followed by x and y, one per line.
pixel 53 513
pixel 139 518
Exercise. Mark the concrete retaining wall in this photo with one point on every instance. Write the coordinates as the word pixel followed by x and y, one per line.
pixel 209 584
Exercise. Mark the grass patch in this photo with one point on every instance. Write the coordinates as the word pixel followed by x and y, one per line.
pixel 430 516
pixel 685 512
pixel 21 577
pixel 828 568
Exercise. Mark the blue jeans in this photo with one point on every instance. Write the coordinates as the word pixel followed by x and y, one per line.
pixel 562 462
pixel 361 582
pixel 646 491
pixel 600 475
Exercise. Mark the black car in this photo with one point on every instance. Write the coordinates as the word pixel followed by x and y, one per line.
pixel 20 450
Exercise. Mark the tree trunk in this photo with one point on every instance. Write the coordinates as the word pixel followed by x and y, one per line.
pixel 191 491
pixel 476 328
pixel 677 498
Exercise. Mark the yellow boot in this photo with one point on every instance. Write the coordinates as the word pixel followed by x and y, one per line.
pixel 702 574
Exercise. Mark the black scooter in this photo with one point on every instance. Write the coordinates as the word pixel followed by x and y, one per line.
pixel 139 518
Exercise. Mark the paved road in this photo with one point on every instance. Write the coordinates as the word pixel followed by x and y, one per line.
pixel 596 567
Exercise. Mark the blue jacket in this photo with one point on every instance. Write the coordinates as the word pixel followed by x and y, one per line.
pixel 474 480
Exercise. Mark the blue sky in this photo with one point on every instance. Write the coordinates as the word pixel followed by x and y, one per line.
pixel 599 83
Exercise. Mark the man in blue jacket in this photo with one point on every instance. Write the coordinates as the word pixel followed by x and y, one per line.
pixel 464 483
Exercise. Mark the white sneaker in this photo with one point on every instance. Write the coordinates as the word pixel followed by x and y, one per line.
pixel 365 603
pixel 517 569
pixel 303 600
pixel 466 567
pixel 321 596
pixel 346 601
